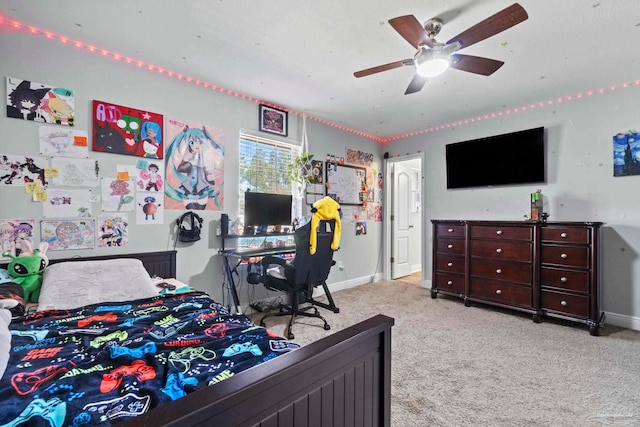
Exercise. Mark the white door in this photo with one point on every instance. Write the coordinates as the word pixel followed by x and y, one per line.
pixel 401 224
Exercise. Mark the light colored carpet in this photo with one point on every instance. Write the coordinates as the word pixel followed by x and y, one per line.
pixel 480 366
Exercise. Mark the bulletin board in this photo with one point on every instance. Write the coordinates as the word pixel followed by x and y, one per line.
pixel 345 183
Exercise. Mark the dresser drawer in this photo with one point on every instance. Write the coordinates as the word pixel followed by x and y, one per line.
pixel 501 270
pixel 497 232
pixel 500 292
pixel 453 283
pixel 565 235
pixel 574 305
pixel 574 256
pixel 565 279
pixel 450 263
pixel 449 230
pixel 503 250
pixel 450 246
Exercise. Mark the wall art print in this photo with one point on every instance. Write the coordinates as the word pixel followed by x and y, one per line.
pixel 18 170
pixel 39 102
pixel 68 234
pixel 13 234
pixel 626 154
pixel 126 130
pixel 194 167
pixel 113 230
pixel 273 120
pixel 117 195
pixel 149 209
pixel 67 202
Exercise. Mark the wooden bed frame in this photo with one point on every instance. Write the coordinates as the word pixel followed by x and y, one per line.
pixel 343 379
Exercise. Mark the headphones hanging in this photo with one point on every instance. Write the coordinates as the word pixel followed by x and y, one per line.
pixel 189 226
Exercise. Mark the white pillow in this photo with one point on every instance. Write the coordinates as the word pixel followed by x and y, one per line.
pixel 73 284
pixel 5 339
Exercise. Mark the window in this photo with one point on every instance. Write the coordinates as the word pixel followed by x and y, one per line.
pixel 263 169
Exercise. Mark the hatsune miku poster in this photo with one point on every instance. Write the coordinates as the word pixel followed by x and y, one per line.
pixel 40 102
pixel 125 130
pixel 194 167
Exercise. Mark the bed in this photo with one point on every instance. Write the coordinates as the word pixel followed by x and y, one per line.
pixel 343 379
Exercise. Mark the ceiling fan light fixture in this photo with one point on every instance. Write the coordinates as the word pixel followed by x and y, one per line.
pixel 431 63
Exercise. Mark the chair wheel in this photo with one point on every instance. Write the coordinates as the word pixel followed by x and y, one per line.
pixel 290 336
pixel 327 327
pixel 262 324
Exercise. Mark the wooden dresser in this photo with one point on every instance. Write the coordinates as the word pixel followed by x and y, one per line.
pixel 543 268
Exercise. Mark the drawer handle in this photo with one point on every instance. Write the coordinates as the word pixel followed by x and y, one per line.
pixel 563 256
pixel 499 292
pixel 499 232
pixel 450 246
pixel 563 279
pixel 563 235
pixel 449 264
pixel 499 271
pixel 563 303
pixel 499 250
pixel 450 230
pixel 450 282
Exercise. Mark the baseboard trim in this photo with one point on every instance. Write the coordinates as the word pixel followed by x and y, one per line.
pixel 622 320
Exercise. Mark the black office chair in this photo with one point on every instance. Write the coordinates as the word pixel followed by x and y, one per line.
pixel 299 277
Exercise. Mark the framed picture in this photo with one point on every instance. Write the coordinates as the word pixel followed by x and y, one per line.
pixel 273 120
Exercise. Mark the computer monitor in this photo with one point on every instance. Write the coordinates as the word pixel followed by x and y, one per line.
pixel 265 209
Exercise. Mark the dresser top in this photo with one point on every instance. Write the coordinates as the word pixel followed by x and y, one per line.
pixel 521 223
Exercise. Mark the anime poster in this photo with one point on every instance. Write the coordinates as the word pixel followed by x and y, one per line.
pixel 113 229
pixel 65 202
pixel 126 130
pixel 194 167
pixel 358 157
pixel 626 154
pixel 60 142
pixel 117 195
pixel 75 172
pixel 149 175
pixel 19 170
pixel 39 102
pixel 13 234
pixel 149 208
pixel 68 234
pixel 361 228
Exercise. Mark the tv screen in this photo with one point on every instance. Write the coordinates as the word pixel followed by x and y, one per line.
pixel 267 209
pixel 513 158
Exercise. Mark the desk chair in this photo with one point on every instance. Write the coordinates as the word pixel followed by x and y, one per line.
pixel 299 277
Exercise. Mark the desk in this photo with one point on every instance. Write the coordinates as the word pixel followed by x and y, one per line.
pixel 240 254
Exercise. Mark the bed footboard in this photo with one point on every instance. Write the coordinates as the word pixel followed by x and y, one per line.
pixel 341 380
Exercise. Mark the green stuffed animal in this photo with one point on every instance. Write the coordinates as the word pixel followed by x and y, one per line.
pixel 26 270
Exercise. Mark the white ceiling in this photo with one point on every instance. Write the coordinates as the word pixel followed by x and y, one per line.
pixel 301 54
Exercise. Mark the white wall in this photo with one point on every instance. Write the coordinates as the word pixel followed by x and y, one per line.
pixel 94 77
pixel 580 184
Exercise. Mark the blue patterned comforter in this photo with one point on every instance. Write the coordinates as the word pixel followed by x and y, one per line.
pixel 103 363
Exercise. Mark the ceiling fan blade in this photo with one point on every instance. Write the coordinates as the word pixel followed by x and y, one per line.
pixel 385 67
pixel 493 25
pixel 416 84
pixel 475 64
pixel 412 31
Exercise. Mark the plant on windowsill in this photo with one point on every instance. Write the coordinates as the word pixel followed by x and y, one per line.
pixel 300 169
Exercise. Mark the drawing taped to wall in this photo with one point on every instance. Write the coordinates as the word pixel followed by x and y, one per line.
pixel 67 234
pixel 113 230
pixel 117 195
pixel 67 202
pixel 14 236
pixel 195 167
pixel 55 141
pixel 20 170
pixel 125 130
pixel 39 102
pixel 150 175
pixel 75 172
pixel 626 154
pixel 149 208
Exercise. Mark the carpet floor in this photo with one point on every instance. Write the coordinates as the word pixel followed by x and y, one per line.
pixel 481 366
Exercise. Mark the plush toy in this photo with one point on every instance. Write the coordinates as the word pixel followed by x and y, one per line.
pixel 26 270
pixel 325 209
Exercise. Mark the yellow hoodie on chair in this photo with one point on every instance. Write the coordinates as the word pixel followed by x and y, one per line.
pixel 325 209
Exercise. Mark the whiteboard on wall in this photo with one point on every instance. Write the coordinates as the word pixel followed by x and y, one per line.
pixel 345 183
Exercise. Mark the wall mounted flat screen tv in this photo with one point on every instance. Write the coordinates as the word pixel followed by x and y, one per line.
pixel 267 209
pixel 513 158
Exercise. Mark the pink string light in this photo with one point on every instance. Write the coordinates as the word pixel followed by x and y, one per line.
pixel 17 25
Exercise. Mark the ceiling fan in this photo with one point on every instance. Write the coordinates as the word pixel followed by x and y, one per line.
pixel 434 58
